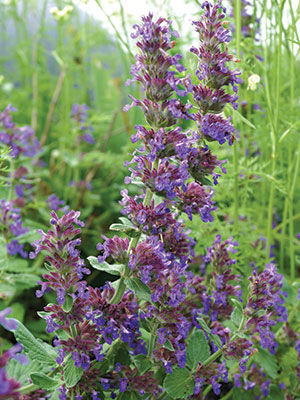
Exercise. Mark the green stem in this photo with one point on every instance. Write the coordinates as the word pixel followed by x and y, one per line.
pixel 227 395
pixel 207 390
pixel 121 287
pixel 115 29
pixel 213 357
pixel 11 187
pixel 291 223
pixel 152 339
pixel 237 19
pixel 273 142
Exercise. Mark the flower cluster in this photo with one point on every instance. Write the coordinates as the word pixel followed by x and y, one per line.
pixel 12 227
pixel 79 115
pixel 265 306
pixel 21 140
pixel 213 74
pixel 63 256
pixel 220 262
pixel 153 71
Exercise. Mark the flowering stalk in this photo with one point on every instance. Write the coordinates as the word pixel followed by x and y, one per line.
pixel 160 322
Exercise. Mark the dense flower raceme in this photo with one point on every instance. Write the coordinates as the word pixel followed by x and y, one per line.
pixel 9 386
pixel 21 140
pixel 11 226
pixel 153 71
pixel 213 74
pixel 79 115
pixel 265 294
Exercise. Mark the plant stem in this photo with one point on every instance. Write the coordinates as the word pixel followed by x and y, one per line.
pixel 133 243
pixel 291 223
pixel 237 19
pixel 227 395
pixel 11 170
pixel 152 339
pixel 207 390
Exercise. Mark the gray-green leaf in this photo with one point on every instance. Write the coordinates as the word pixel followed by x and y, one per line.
pixel 267 362
pixel 179 383
pixel 36 349
pixel 197 349
pixel 236 316
pixel 139 288
pixel 44 382
pixel 114 269
pixel 72 374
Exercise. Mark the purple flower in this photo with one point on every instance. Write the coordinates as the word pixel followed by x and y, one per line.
pixel 153 71
pixel 54 203
pixel 62 255
pixel 264 387
pixel 215 127
pixel 21 140
pixel 14 247
pixel 265 305
pixel 88 138
pixel 9 324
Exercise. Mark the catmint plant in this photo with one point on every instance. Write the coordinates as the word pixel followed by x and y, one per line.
pixel 161 330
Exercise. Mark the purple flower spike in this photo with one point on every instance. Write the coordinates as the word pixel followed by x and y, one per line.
pixel 21 140
pixel 210 94
pixel 153 70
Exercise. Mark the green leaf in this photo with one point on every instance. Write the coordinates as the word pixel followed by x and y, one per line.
pixel 24 281
pixel 239 394
pixel 141 290
pixel 114 269
pixel 214 338
pixel 236 316
pixel 55 395
pixel 72 374
pixel 143 363
pixel 276 393
pixel 197 349
pixel 237 303
pixel 284 135
pixel 29 237
pixel 267 361
pixel 240 117
pixel 68 304
pixel 36 349
pixel 205 181
pixel 127 222
pixel 203 324
pixel 124 228
pixel 125 396
pixel 168 345
pixel 16 265
pixel 44 382
pixel 179 383
pixel 22 372
pixel 122 356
